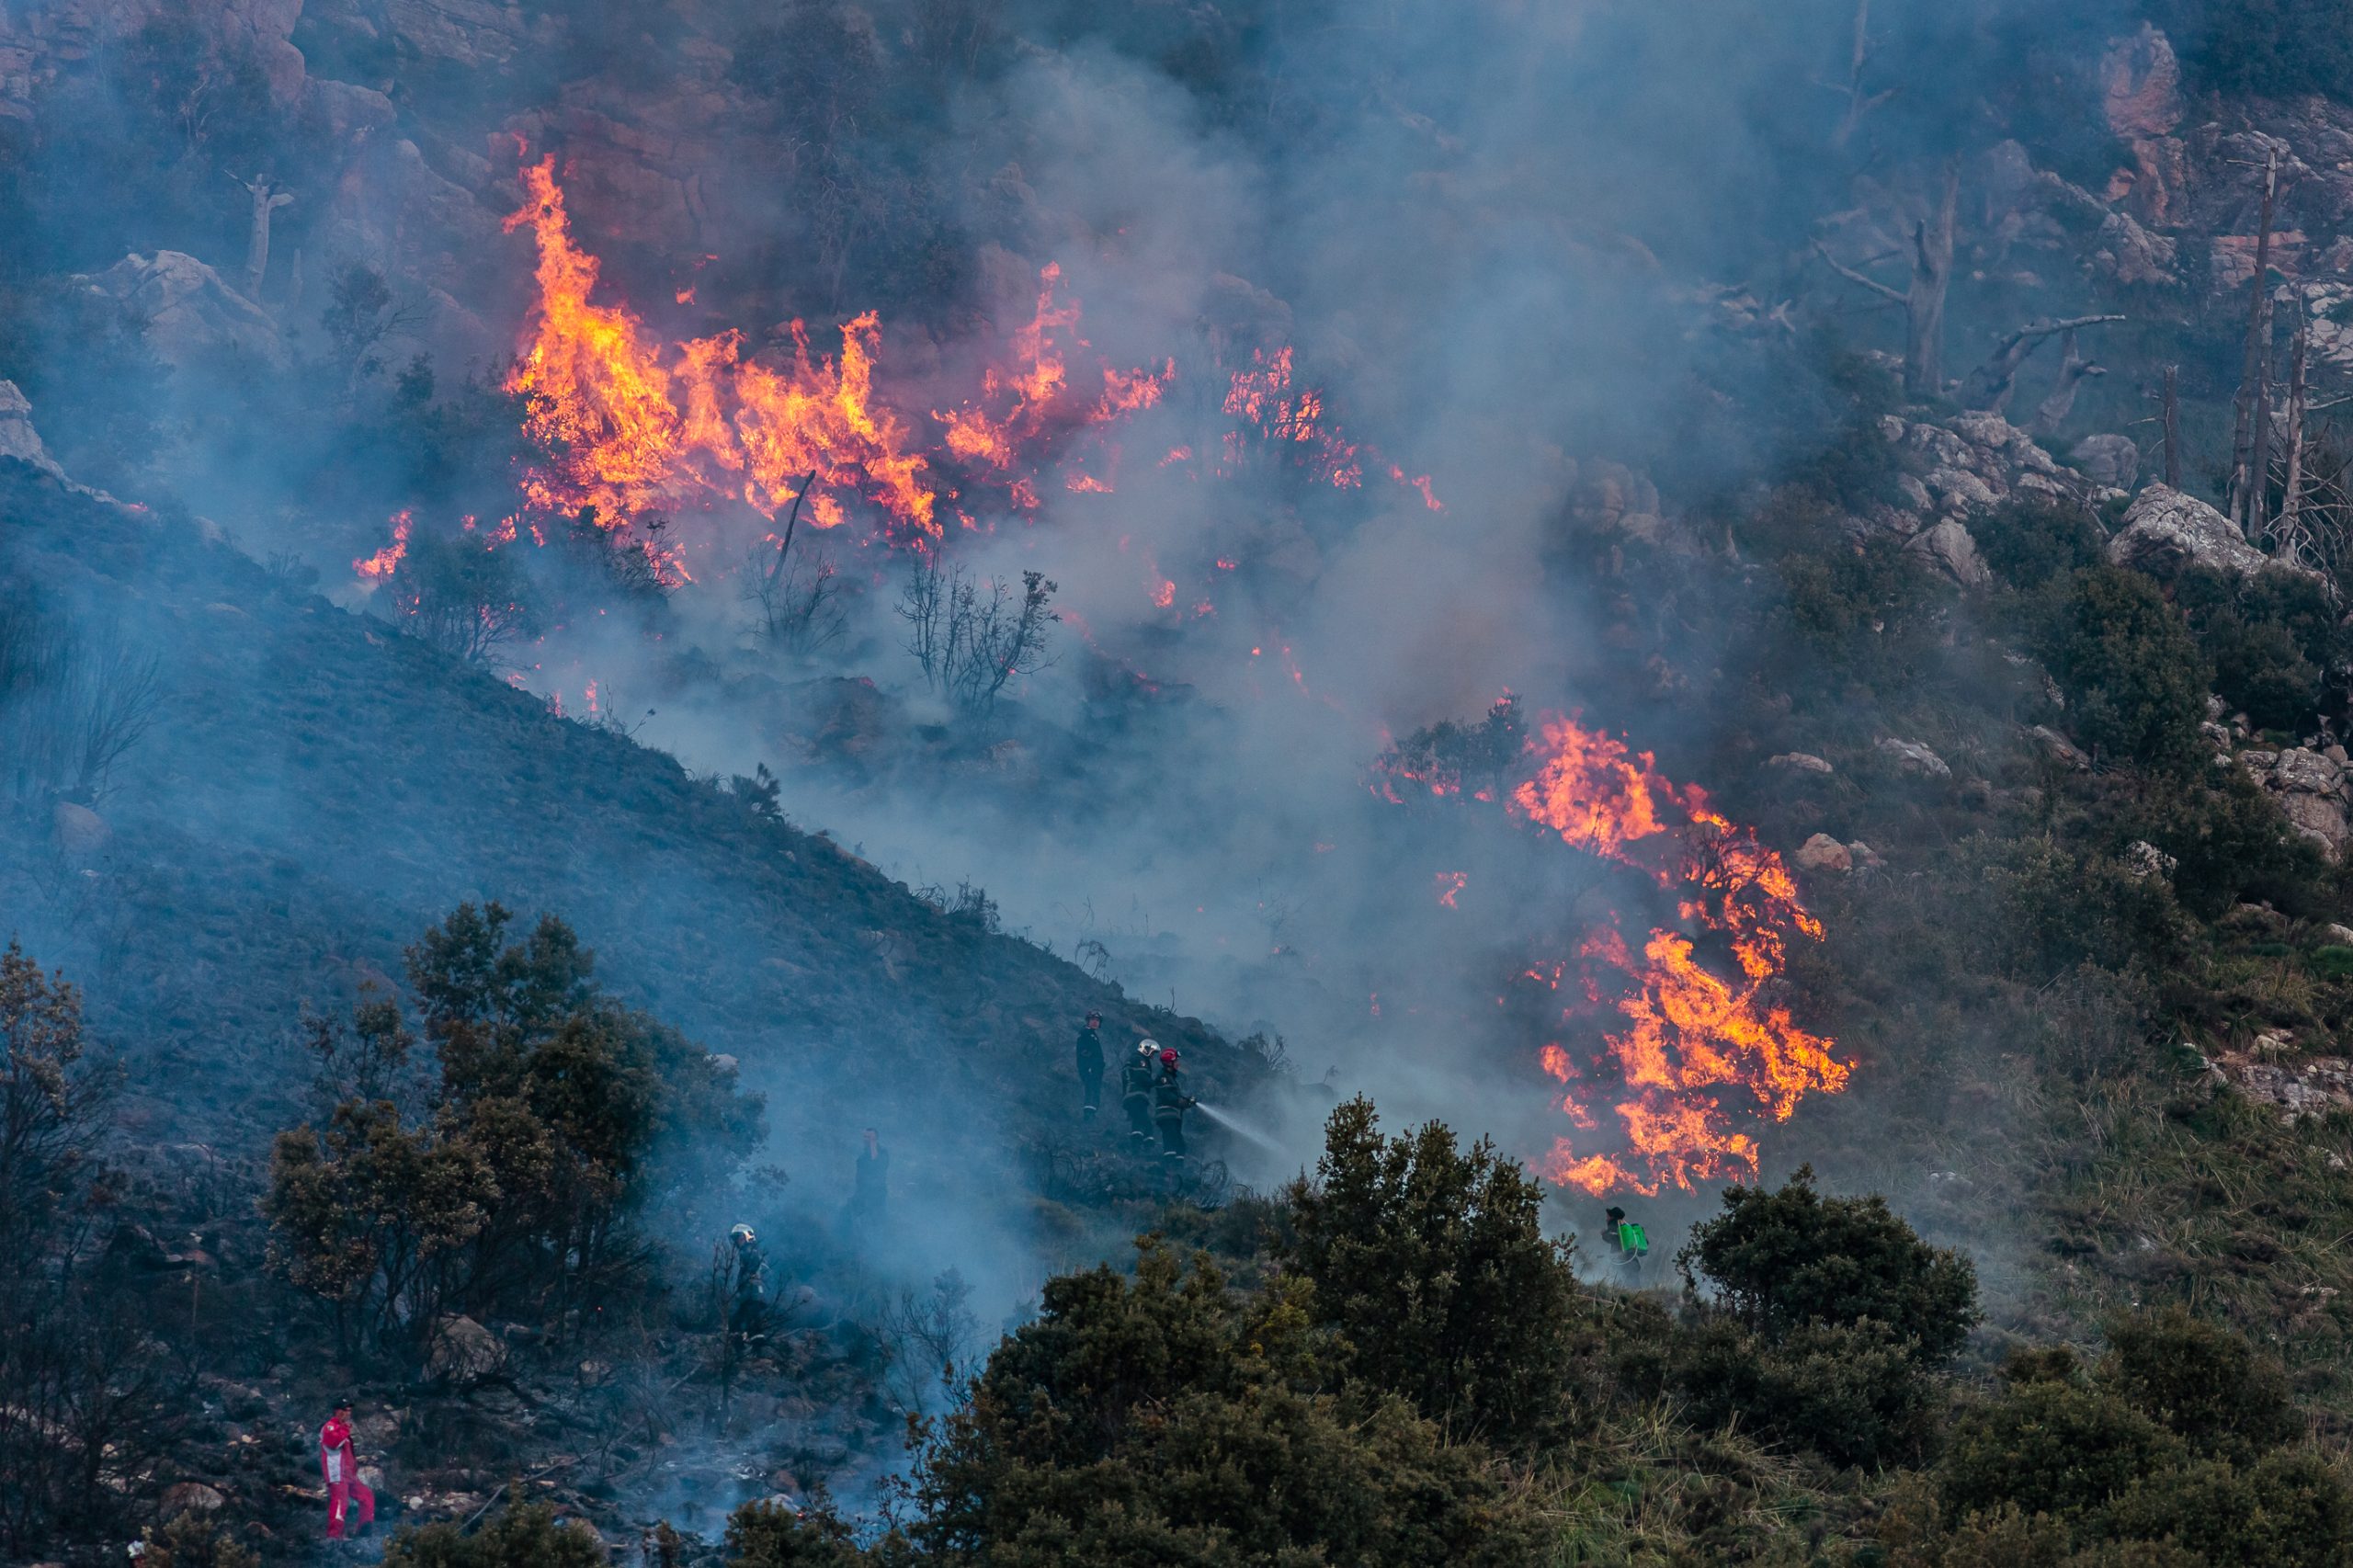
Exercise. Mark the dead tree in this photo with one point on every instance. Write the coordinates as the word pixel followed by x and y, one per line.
pixel 1990 385
pixel 1924 307
pixel 2074 370
pixel 2172 417
pixel 1923 303
pixel 267 196
pixel 1859 103
pixel 2247 473
pixel 2290 532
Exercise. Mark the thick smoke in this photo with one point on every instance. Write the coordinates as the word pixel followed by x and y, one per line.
pixel 1493 235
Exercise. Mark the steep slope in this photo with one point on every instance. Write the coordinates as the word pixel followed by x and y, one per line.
pixel 317 789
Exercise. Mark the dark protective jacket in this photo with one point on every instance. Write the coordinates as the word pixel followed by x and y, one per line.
pixel 1089 1054
pixel 1168 1099
pixel 1135 1079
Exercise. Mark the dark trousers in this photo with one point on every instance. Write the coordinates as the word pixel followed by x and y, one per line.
pixel 1139 1110
pixel 1172 1138
pixel 1090 1086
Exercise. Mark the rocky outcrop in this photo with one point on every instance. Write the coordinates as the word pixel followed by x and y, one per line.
pixel 1914 760
pixel 2111 462
pixel 2166 532
pixel 2312 791
pixel 1797 762
pixel 1947 546
pixel 189 314
pixel 2316 1087
pixel 2057 749
pixel 464 1352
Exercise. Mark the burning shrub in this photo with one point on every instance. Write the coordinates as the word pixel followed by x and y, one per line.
pixel 1431 1261
pixel 971 646
pixel 465 599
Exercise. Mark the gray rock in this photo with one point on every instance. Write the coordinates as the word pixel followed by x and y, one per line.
pixel 2110 460
pixel 2058 748
pixel 464 1352
pixel 1798 762
pixel 2166 532
pixel 189 313
pixel 1949 548
pixel 1911 757
pixel 2145 861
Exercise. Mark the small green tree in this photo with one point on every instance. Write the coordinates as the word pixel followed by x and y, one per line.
pixel 2204 1384
pixel 1431 1262
pixel 2136 676
pixel 1783 1258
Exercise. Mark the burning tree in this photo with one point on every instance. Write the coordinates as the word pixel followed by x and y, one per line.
pixel 972 635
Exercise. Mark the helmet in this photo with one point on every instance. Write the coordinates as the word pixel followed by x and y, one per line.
pixel 742 1235
pixel 1094 1018
pixel 1168 1058
pixel 1147 1048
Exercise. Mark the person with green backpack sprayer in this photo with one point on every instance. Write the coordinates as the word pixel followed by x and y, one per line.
pixel 1633 1243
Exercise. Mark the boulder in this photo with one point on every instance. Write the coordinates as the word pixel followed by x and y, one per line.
pixel 2146 862
pixel 2166 532
pixel 2056 747
pixel 1915 760
pixel 2312 791
pixel 464 1352
pixel 1824 853
pixel 2338 936
pixel 1865 858
pixel 191 1497
pixel 81 832
pixel 2140 83
pixel 2111 460
pixel 1949 547
pixel 18 439
pixel 1798 762
pixel 189 314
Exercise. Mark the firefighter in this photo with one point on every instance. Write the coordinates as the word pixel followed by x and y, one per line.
pixel 749 1314
pixel 1089 1054
pixel 1170 1103
pixel 1633 1243
pixel 340 1465
pixel 1135 1090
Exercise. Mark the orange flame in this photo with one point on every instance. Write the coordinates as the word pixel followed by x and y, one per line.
pixel 1699 1057
pixel 376 568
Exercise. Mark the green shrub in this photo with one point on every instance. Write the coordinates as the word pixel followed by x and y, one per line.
pixel 1788 1258
pixel 2202 1382
pixel 2133 674
pixel 2026 543
pixel 526 1537
pixel 1851 1392
pixel 2050 1448
pixel 1431 1261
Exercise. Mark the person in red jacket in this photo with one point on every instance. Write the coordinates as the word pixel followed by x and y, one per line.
pixel 341 1467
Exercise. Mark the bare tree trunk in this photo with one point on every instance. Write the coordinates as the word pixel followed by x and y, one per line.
pixel 1991 384
pixel 2244 484
pixel 1924 346
pixel 2073 370
pixel 2292 500
pixel 1859 102
pixel 2173 427
pixel 2259 458
pixel 267 199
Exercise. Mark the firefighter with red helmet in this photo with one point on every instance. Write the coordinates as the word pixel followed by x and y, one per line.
pixel 1170 1103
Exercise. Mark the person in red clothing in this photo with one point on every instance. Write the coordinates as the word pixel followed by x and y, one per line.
pixel 341 1467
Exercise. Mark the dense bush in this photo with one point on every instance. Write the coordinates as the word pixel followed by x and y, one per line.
pixel 1431 1262
pixel 2275 47
pixel 1788 1258
pixel 2134 675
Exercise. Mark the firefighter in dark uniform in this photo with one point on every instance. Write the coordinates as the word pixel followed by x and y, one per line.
pixel 1135 1090
pixel 1170 1103
pixel 1088 1053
